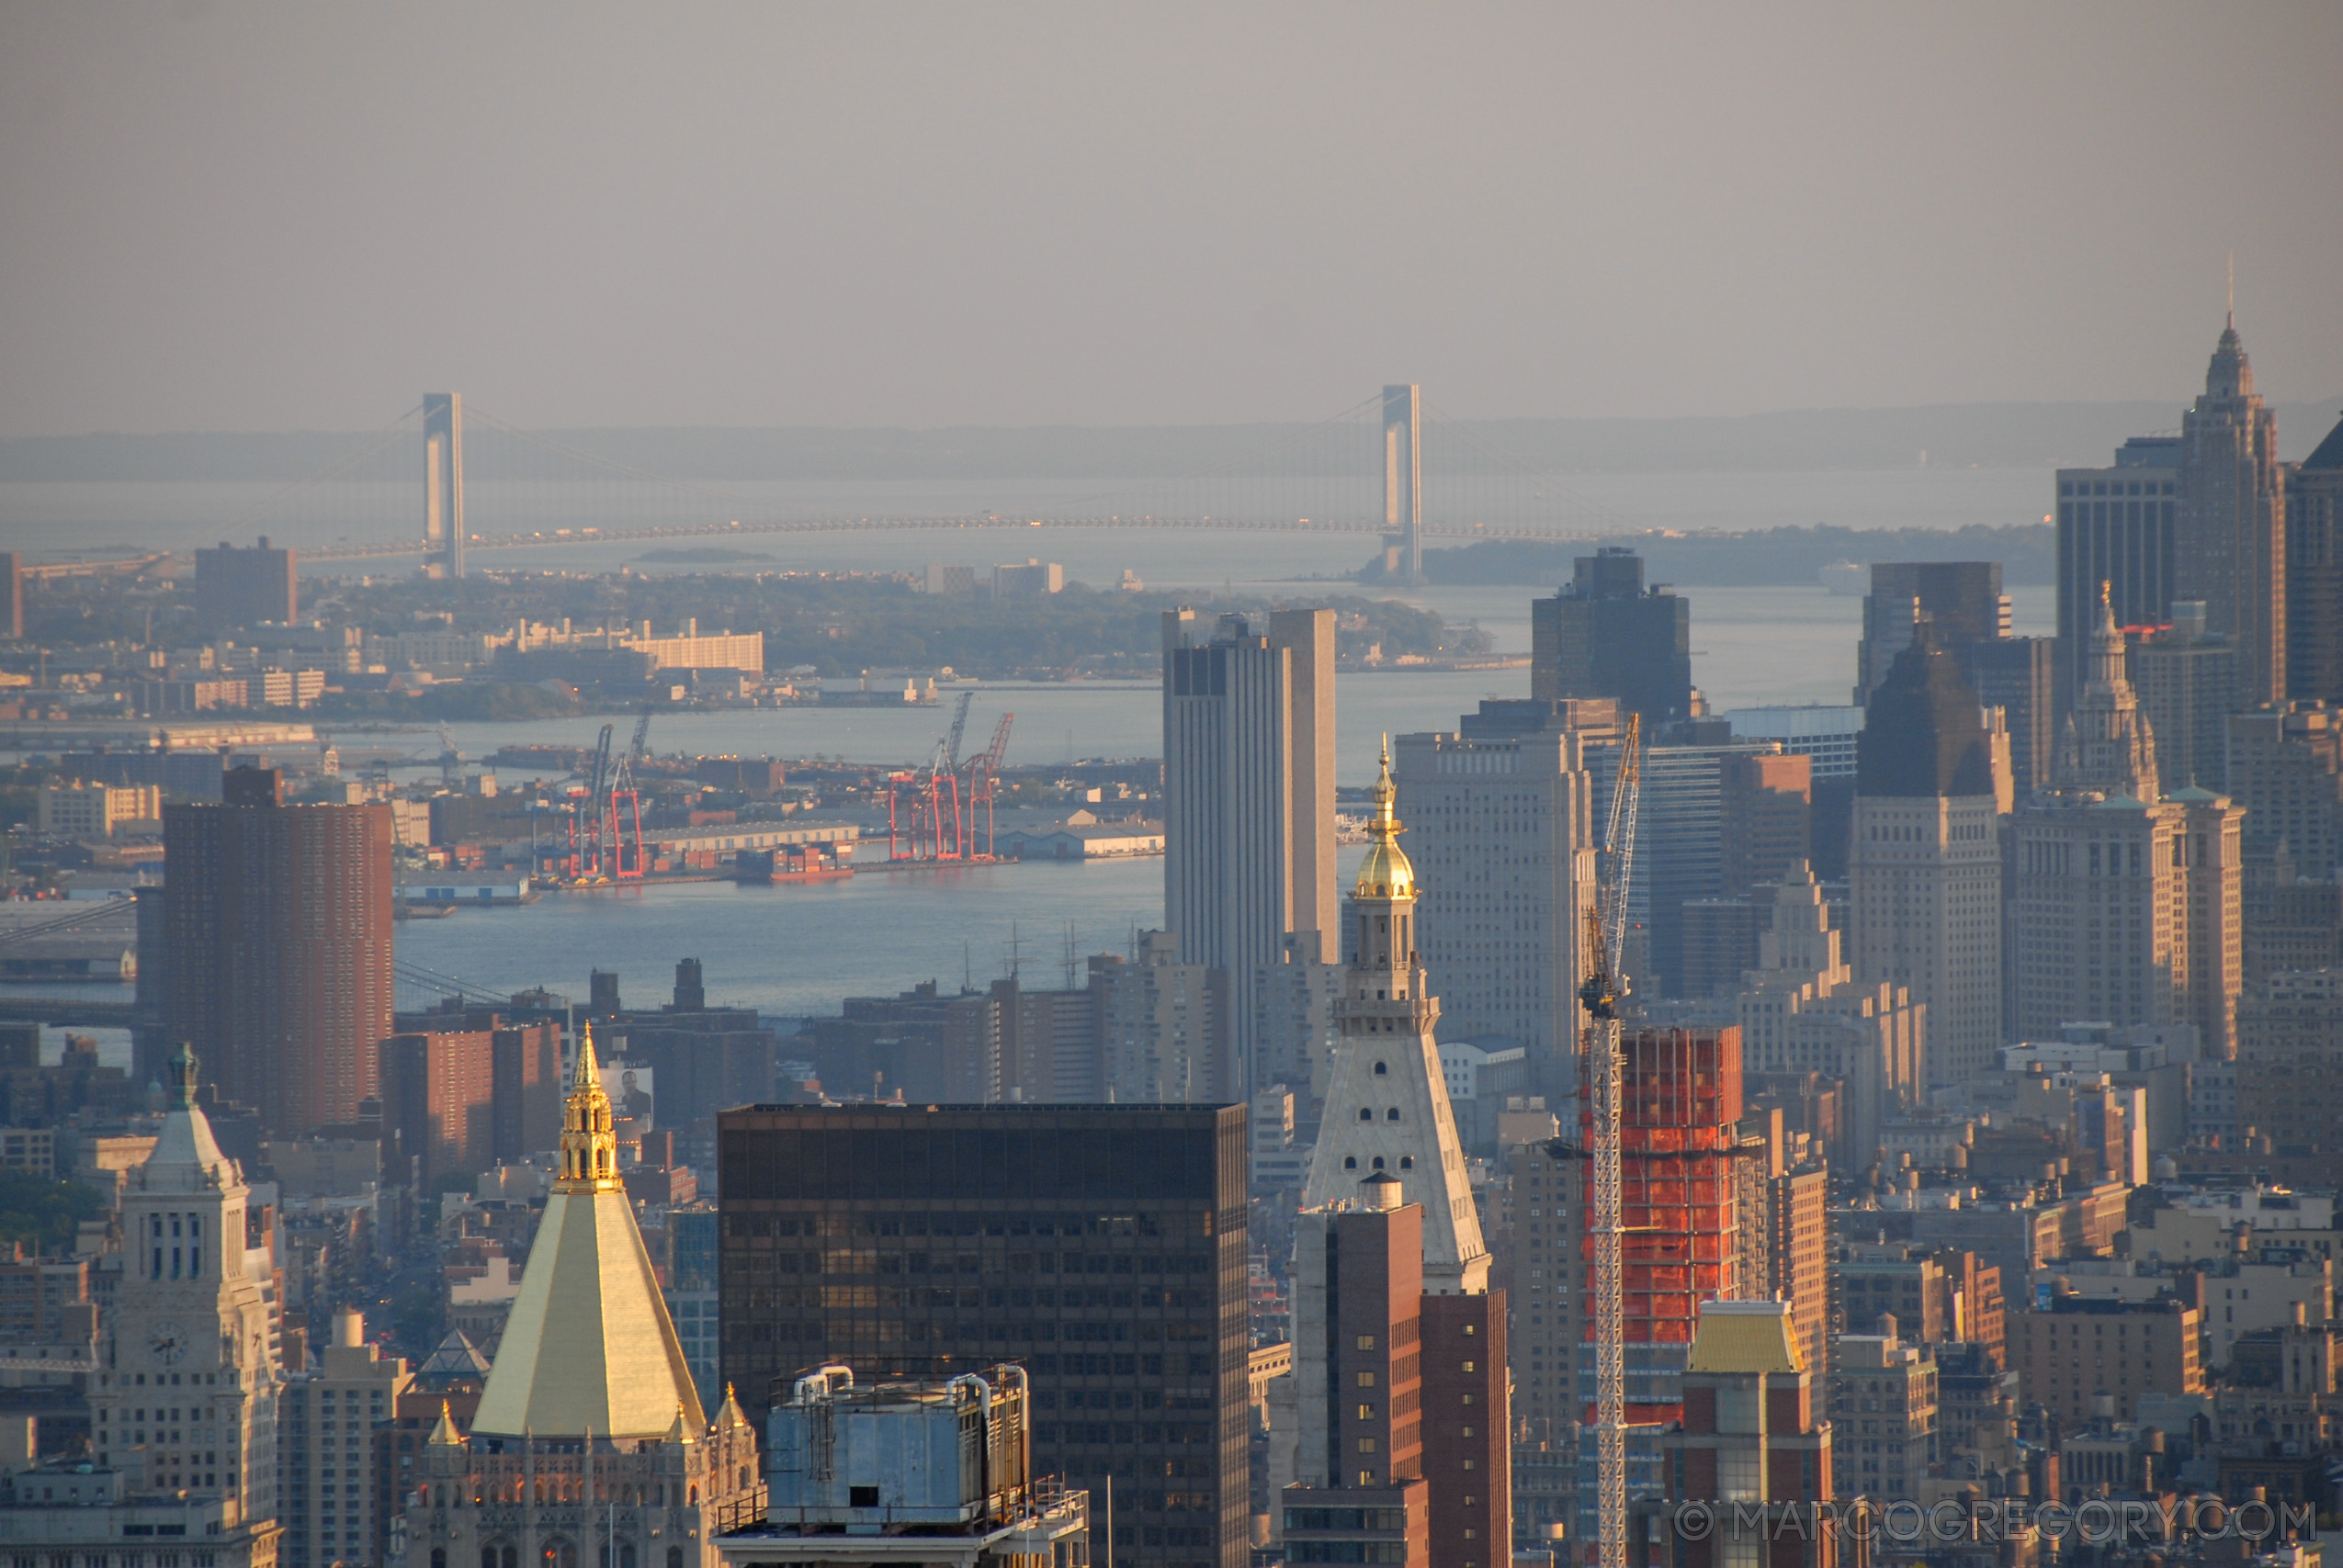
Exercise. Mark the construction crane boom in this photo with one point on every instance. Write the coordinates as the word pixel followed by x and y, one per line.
pixel 984 777
pixel 1605 935
pixel 959 729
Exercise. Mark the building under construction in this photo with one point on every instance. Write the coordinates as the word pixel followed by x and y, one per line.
pixel 1680 1179
pixel 1685 1237
pixel 1680 1098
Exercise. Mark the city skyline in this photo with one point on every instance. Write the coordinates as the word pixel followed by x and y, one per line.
pixel 577 995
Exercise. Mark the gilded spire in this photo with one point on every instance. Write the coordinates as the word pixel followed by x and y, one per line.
pixel 1384 874
pixel 588 1348
pixel 589 1142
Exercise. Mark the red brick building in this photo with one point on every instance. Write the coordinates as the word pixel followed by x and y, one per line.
pixel 276 938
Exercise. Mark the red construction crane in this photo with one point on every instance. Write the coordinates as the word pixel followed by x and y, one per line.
pixel 984 776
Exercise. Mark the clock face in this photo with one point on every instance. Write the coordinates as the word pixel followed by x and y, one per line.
pixel 168 1341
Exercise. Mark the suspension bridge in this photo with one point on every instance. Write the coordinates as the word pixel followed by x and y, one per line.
pixel 1390 465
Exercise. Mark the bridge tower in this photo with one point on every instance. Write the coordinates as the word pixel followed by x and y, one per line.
pixel 442 484
pixel 1403 484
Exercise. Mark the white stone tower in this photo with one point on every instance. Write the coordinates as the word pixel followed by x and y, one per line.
pixel 1387 1106
pixel 188 1375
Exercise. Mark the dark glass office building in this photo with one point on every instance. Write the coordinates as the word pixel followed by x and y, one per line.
pixel 1102 1247
pixel 1603 635
pixel 2116 526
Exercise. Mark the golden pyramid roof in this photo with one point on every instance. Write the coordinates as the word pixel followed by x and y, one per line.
pixel 1744 1336
pixel 589 1349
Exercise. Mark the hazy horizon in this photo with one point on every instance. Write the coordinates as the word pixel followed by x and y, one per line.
pixel 228 216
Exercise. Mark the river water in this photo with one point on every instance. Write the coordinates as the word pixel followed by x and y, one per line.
pixel 797 949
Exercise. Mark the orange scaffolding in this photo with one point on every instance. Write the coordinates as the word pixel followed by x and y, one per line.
pixel 1680 1097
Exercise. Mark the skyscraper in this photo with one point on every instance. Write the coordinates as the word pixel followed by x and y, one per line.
pixel 1924 866
pixel 2230 548
pixel 1697 1229
pixel 1603 635
pixel 1755 1443
pixel 1388 1125
pixel 1387 1106
pixel 1679 848
pixel 1501 832
pixel 1765 819
pixel 2094 901
pixel 2211 847
pixel 187 1397
pixel 2315 572
pixel 277 931
pixel 1398 1392
pixel 2187 684
pixel 2018 675
pixel 1248 804
pixel 590 1404
pixel 2117 525
pixel 1801 1011
pixel 1962 599
pixel 241 588
pixel 1102 1247
pixel 2286 770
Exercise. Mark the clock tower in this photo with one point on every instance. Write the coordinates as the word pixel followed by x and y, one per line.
pixel 188 1373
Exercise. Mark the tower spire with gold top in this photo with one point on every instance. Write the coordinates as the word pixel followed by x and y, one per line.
pixel 589 1350
pixel 1384 873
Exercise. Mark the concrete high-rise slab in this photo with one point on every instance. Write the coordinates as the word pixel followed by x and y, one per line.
pixel 1248 809
pixel 443 483
pixel 1504 812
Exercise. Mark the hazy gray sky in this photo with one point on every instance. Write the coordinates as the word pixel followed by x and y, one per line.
pixel 221 216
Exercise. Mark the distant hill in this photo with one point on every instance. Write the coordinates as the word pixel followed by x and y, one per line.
pixel 2034 436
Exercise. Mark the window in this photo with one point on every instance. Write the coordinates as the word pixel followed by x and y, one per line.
pixel 1382 1069
pixel 1366 1342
